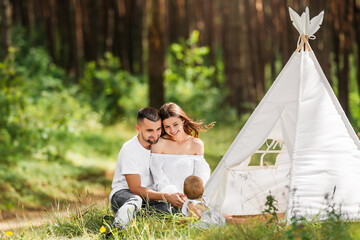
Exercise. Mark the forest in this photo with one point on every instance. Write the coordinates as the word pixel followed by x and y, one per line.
pixel 238 47
pixel 73 74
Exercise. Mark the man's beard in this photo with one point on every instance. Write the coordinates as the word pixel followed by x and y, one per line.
pixel 149 141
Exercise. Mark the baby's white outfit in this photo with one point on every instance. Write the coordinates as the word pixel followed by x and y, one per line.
pixel 210 217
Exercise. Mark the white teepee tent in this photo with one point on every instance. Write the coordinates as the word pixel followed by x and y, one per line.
pixel 298 145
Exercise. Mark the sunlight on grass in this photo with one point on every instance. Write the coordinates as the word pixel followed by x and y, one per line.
pixel 86 223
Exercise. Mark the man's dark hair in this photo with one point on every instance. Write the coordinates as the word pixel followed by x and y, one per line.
pixel 149 113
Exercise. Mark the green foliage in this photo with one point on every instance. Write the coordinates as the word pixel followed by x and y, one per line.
pixel 355 110
pixel 191 82
pixel 36 110
pixel 271 209
pixel 300 228
pixel 113 92
pixel 269 158
pixel 334 227
pixel 12 107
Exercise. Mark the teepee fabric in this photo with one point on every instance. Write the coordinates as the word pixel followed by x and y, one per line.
pixel 298 146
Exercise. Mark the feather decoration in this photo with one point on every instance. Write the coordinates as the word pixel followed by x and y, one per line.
pixel 303 24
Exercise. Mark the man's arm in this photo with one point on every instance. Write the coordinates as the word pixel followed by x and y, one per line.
pixel 134 183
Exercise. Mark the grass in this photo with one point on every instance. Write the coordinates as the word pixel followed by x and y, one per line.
pixel 87 169
pixel 85 223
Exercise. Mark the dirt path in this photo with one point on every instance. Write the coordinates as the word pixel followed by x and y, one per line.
pixel 29 219
pixel 34 218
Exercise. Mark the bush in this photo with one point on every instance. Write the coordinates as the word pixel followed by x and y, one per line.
pixel 190 81
pixel 355 110
pixel 112 92
pixel 36 110
pixel 12 104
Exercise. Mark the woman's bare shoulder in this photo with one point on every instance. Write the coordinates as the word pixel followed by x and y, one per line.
pixel 159 146
pixel 197 146
pixel 156 148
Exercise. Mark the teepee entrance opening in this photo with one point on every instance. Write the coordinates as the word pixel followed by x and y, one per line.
pixel 264 172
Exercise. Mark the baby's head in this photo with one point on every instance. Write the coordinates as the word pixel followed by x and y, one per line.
pixel 193 187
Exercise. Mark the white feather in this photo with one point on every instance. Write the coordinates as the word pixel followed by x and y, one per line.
pixel 315 23
pixel 306 21
pixel 297 21
pixel 303 20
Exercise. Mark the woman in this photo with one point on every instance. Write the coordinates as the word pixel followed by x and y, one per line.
pixel 179 153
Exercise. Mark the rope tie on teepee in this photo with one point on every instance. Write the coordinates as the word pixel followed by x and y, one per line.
pixel 303 42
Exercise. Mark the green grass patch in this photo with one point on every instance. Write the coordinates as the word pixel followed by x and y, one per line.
pixel 86 223
pixel 35 182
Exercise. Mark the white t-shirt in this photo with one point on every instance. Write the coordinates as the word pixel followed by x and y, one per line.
pixel 133 158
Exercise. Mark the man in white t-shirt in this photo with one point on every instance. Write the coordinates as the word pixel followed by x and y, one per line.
pixel 132 185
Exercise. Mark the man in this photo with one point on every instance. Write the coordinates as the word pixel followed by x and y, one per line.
pixel 132 183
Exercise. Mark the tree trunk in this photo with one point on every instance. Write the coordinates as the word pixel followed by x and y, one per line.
pixel 76 39
pixel 321 45
pixel 231 43
pixel 122 30
pixel 50 27
pixel 210 15
pixel 91 27
pixel 356 27
pixel 178 20
pixel 274 19
pixel 5 27
pixel 63 20
pixel 342 45
pixel 108 26
pixel 137 48
pixel 260 40
pixel 156 52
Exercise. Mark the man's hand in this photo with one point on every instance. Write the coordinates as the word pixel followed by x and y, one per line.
pixel 175 199
pixel 134 183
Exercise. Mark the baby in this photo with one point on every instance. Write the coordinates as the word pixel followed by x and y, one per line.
pixel 196 207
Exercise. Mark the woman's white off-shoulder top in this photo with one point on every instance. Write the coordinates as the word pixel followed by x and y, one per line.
pixel 169 170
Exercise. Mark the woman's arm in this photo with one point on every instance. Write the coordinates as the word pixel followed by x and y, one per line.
pixel 201 167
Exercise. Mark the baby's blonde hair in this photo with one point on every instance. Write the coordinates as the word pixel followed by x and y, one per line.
pixel 193 187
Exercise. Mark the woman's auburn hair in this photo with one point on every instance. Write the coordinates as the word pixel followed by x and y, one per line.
pixel 191 127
